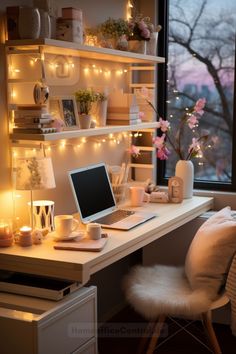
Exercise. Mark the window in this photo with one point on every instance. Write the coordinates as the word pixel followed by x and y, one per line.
pixel 200 51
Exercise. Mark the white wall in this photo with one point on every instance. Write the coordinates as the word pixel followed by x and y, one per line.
pixel 70 157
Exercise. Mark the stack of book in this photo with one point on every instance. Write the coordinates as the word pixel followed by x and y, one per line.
pixel 122 116
pixel 122 109
pixel 32 119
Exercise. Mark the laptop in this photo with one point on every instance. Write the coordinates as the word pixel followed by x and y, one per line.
pixel 95 200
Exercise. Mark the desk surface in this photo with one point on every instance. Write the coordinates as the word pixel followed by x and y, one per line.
pixel 77 265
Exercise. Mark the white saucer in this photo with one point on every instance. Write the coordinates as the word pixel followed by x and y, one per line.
pixel 72 236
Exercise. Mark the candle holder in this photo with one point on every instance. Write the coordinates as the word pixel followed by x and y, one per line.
pixel 24 237
pixel 6 235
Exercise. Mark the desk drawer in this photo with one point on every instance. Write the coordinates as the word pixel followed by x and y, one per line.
pixel 61 328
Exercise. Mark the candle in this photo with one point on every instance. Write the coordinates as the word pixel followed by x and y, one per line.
pixel 25 236
pixel 25 231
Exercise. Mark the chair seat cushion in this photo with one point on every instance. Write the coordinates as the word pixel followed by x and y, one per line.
pixel 211 252
pixel 163 289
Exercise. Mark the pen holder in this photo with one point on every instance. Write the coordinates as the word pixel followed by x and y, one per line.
pixel 119 191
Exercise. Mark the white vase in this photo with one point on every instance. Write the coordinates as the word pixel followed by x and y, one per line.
pixel 152 44
pixel 29 23
pixel 102 113
pixel 185 170
pixel 45 24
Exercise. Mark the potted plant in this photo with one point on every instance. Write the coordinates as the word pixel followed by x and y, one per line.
pixel 101 109
pixel 140 32
pixel 84 99
pixel 112 31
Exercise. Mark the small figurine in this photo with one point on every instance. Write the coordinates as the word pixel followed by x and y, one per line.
pixel 150 187
pixel 37 236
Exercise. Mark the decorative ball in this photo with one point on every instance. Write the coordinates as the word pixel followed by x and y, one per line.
pixel 58 123
pixel 93 124
pixel 37 236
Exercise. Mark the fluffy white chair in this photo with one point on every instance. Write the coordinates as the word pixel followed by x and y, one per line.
pixel 191 291
pixel 159 291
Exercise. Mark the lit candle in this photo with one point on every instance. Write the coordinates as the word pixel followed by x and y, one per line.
pixel 25 231
pixel 25 236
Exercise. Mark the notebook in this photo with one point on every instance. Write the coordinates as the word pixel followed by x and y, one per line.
pixel 95 200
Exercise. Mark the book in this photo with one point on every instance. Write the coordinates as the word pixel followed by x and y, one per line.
pixel 123 122
pixel 33 130
pixel 33 125
pixel 31 120
pixel 123 116
pixel 128 110
pixel 31 113
pixel 31 106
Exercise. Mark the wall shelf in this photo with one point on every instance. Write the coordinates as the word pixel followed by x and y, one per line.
pixel 54 46
pixel 79 133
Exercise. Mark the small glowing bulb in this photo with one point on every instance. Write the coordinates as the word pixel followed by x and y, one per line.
pixel 49 148
pixel 63 144
pixel 130 134
pixel 103 140
pixel 125 70
pixel 110 135
pixel 94 66
pixel 83 140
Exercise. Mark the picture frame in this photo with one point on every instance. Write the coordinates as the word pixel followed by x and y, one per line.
pixel 64 107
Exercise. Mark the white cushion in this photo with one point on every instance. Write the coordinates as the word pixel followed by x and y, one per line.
pixel 163 289
pixel 211 252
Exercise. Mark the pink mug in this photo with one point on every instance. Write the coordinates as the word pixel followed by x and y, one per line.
pixel 138 196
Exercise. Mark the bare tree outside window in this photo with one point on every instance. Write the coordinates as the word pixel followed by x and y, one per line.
pixel 201 64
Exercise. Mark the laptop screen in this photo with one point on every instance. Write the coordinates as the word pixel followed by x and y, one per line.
pixel 92 191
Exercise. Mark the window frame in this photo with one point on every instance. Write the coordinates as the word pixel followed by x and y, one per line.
pixel 163 20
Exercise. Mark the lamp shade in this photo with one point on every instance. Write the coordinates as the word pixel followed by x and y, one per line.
pixel 34 173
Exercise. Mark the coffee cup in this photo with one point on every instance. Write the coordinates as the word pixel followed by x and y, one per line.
pixel 65 225
pixel 94 231
pixel 138 196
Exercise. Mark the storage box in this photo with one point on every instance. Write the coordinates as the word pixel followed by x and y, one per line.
pixel 69 30
pixel 69 13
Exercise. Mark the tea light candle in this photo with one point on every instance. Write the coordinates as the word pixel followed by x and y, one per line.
pixel 25 231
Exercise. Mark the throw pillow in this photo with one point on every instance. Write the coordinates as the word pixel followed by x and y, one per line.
pixel 211 251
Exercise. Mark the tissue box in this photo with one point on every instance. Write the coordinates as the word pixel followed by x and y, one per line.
pixel 69 30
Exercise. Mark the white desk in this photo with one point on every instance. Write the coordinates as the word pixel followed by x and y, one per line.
pixel 76 265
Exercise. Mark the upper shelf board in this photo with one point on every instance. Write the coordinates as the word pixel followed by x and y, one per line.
pixel 79 133
pixel 55 46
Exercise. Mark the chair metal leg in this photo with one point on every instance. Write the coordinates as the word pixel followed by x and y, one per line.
pixel 156 334
pixel 207 323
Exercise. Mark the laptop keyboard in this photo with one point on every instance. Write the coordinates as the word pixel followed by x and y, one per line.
pixel 114 217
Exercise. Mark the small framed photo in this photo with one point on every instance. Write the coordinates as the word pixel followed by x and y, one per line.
pixel 175 189
pixel 64 107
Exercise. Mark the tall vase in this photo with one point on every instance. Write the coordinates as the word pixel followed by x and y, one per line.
pixel 29 23
pixel 185 170
pixel 102 113
pixel 152 44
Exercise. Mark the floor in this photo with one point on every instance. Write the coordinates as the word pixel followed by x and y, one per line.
pixel 121 336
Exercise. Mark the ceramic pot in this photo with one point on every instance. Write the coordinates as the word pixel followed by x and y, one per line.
pixel 185 170
pixel 29 23
pixel 84 121
pixel 137 46
pixel 41 93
